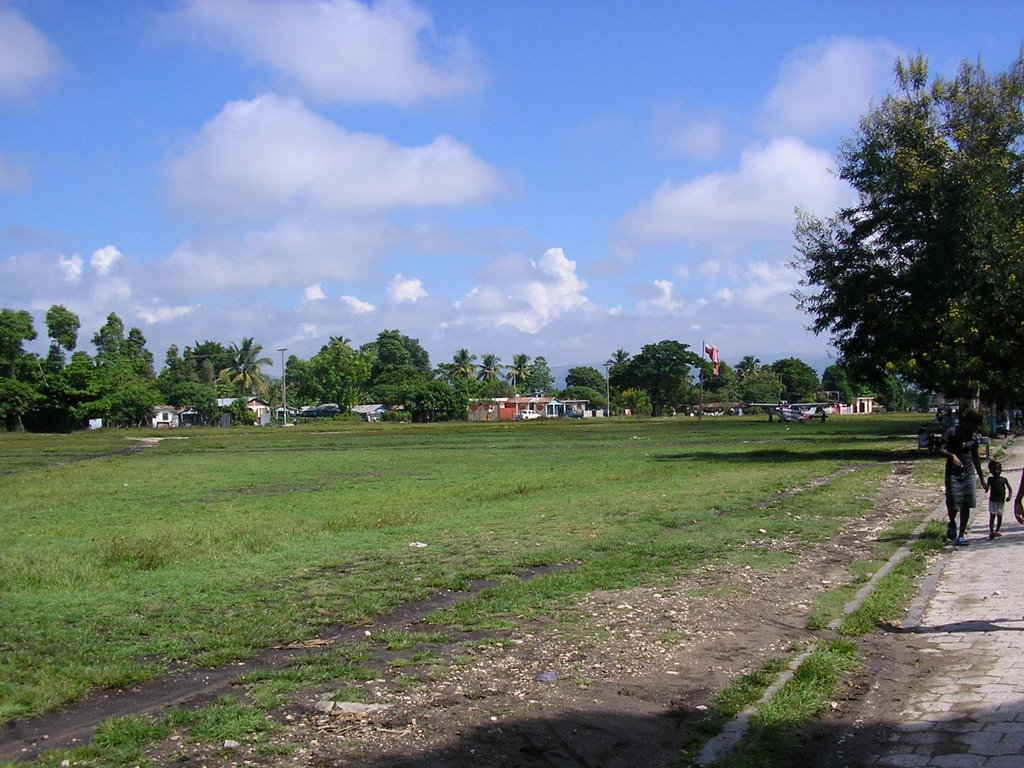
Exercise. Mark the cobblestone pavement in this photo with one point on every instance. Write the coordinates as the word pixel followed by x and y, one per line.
pixel 972 714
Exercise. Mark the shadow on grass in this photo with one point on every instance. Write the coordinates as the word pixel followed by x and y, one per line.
pixel 846 455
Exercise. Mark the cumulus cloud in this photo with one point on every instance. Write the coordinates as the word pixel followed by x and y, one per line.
pixel 314 293
pixel 661 298
pixel 71 267
pixel 540 293
pixel 28 59
pixel 405 289
pixel 103 259
pixel 358 306
pixel 828 85
pixel 342 51
pixel 753 202
pixel 257 157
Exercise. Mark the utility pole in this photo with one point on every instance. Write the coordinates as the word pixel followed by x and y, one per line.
pixel 284 385
pixel 607 389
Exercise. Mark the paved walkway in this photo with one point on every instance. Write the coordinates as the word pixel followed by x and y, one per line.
pixel 973 620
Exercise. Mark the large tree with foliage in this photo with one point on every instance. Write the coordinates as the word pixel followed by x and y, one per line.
pixel 663 370
pixel 922 277
pixel 540 380
pixel 336 374
pixel 799 381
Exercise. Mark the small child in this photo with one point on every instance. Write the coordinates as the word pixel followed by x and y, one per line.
pixel 998 493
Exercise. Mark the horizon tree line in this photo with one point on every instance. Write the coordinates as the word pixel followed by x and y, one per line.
pixel 120 385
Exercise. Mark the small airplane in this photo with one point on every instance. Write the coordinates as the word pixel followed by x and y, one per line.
pixel 794 412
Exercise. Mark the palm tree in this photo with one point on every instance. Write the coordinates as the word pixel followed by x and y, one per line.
pixel 619 356
pixel 490 368
pixel 748 365
pixel 244 369
pixel 519 371
pixel 463 365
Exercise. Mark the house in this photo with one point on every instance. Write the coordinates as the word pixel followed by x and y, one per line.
pixel 259 407
pixel 165 416
pixel 511 408
pixel 370 412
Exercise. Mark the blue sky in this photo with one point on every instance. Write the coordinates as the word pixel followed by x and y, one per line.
pixel 542 177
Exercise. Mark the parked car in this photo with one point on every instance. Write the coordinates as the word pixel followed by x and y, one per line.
pixel 527 415
pixel 574 414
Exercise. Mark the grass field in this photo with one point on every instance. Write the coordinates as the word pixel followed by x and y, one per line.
pixel 115 563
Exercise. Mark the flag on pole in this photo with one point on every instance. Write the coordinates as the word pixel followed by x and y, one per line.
pixel 712 352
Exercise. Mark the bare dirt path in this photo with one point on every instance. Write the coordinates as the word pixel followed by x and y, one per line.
pixel 617 682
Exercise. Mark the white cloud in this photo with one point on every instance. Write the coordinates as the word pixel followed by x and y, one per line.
pixel 829 84
pixel 662 298
pixel 342 50
pixel 296 252
pixel 71 266
pixel 754 202
pixel 103 259
pixel 28 59
pixel 405 289
pixel 358 306
pixel 157 312
pixel 314 293
pixel 258 157
pixel 540 293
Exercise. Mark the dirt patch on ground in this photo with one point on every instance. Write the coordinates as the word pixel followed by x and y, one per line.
pixel 616 682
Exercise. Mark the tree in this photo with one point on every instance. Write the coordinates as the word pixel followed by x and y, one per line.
pixel 15 328
pixel 464 365
pixel 490 368
pixel 109 340
pixel 663 371
pixel 336 374
pixel 799 381
pixel 922 277
pixel 62 327
pixel 539 381
pixel 759 386
pixel 636 401
pixel 519 372
pixel 244 371
pixel 205 360
pixel 437 401
pixel 134 349
pixel 16 398
pixel 392 351
pixel 585 376
pixel 746 366
pixel 835 379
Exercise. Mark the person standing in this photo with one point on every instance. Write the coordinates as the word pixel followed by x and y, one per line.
pixel 998 493
pixel 963 471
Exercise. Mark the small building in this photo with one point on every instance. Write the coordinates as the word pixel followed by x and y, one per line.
pixel 259 407
pixel 165 416
pixel 370 412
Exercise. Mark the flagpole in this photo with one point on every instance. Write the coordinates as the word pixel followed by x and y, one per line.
pixel 700 408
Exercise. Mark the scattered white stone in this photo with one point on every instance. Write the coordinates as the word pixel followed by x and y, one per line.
pixel 231 744
pixel 417 544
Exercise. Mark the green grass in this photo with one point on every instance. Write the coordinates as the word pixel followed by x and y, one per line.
pixel 205 549
pixel 770 741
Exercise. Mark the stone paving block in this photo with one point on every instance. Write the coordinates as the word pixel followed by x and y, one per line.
pixel 904 760
pixel 958 761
